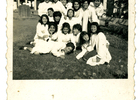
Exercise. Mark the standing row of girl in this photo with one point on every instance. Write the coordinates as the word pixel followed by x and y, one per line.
pixel 82 12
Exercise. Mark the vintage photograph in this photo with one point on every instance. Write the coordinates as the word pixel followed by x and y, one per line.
pixel 70 39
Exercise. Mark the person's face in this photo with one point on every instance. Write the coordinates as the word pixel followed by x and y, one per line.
pixel 50 13
pixel 57 18
pixel 68 49
pixel 64 2
pixel 85 5
pixel 76 5
pixel 51 29
pixel 44 20
pixel 46 1
pixel 93 28
pixel 86 37
pixel 65 30
pixel 75 31
pixel 55 1
pixel 70 13
pixel 97 3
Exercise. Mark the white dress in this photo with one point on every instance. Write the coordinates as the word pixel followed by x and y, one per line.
pixel 43 7
pixel 89 15
pixel 101 48
pixel 58 6
pixel 64 38
pixel 49 47
pixel 41 30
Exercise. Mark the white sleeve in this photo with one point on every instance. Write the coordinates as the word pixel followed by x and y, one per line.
pixel 63 9
pixel 38 30
pixel 94 16
pixel 85 21
pixel 81 54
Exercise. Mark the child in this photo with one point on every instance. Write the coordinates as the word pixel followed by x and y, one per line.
pixel 58 49
pixel 78 12
pixel 42 8
pixel 99 41
pixel 71 19
pixel 58 19
pixel 41 29
pixel 84 43
pixel 50 14
pixel 64 35
pixel 77 28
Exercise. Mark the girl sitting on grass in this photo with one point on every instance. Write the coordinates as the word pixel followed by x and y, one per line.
pixel 98 41
pixel 41 29
pixel 77 28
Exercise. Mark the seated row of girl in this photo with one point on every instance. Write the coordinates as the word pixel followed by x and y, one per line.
pixel 49 43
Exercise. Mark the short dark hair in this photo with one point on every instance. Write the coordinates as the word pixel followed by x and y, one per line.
pixel 97 25
pixel 51 9
pixel 44 15
pixel 85 1
pixel 79 2
pixel 82 41
pixel 55 25
pixel 77 26
pixel 70 44
pixel 66 25
pixel 57 13
pixel 68 11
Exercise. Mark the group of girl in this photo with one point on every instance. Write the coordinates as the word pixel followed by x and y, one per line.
pixel 60 37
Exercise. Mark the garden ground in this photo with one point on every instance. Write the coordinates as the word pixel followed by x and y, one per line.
pixel 28 66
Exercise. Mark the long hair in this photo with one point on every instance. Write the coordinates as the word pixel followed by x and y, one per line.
pixel 98 27
pixel 68 12
pixel 53 24
pixel 66 25
pixel 44 15
pixel 79 2
pixel 82 41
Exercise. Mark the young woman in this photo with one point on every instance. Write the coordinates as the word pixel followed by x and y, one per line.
pixel 64 35
pixel 75 37
pixel 99 41
pixel 78 12
pixel 50 14
pixel 89 15
pixel 58 19
pixel 84 43
pixel 71 19
pixel 41 28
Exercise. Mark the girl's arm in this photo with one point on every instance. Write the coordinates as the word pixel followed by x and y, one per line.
pixel 81 54
pixel 39 32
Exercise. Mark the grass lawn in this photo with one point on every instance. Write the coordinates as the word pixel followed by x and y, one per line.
pixel 27 66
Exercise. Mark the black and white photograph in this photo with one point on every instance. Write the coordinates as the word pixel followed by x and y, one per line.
pixel 70 39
